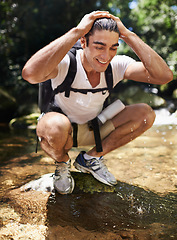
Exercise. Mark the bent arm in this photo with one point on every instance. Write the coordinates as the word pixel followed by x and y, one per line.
pixel 43 64
pixel 152 68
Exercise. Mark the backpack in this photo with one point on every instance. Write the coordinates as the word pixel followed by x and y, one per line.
pixel 47 94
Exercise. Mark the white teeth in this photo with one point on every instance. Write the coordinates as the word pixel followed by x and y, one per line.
pixel 102 62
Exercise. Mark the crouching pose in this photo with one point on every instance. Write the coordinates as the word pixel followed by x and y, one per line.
pixel 99 33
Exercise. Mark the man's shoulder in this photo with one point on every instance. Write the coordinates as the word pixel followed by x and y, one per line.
pixel 121 60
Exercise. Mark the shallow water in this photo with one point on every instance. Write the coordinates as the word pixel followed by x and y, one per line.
pixel 137 205
pixel 129 207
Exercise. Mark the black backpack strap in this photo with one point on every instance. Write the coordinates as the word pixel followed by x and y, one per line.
pixel 66 84
pixel 109 78
pixel 75 130
pixel 85 90
pixel 94 122
pixel 109 81
pixel 96 130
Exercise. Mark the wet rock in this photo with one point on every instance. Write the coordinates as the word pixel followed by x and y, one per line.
pixel 44 184
pixel 93 211
pixel 83 183
pixel 77 215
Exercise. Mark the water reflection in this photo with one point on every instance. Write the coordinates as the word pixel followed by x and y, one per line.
pixel 129 207
pixel 101 211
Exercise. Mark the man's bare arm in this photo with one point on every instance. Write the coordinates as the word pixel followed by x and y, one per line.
pixel 152 68
pixel 43 64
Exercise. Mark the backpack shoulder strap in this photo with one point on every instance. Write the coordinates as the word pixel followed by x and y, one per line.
pixel 109 81
pixel 65 86
pixel 109 78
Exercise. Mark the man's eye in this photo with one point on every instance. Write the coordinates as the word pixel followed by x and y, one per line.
pixel 114 49
pixel 99 48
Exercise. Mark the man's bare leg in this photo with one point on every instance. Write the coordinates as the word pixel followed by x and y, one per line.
pixel 54 130
pixel 129 124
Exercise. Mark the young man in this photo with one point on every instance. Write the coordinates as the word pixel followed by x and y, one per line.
pixel 99 33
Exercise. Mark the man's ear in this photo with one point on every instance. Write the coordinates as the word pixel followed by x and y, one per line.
pixel 83 42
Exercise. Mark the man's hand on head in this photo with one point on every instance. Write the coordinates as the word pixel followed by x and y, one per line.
pixel 87 21
pixel 123 31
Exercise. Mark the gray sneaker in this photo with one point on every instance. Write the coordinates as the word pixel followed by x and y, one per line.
pixel 96 167
pixel 62 179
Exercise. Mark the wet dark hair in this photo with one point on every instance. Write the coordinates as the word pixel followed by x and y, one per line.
pixel 102 24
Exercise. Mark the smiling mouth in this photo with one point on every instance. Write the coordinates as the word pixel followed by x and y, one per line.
pixel 102 62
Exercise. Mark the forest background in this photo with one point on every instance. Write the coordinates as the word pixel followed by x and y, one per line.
pixel 27 26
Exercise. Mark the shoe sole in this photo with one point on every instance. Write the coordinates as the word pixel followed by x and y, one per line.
pixel 86 170
pixel 69 191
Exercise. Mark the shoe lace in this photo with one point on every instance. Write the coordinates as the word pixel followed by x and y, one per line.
pixel 101 163
pixel 62 168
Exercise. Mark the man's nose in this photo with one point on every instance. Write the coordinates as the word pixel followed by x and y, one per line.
pixel 105 55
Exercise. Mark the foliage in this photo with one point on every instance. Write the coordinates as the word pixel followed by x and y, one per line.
pixel 156 23
pixel 7 41
pixel 26 26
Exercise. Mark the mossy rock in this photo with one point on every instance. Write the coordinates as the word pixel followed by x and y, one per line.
pixel 84 183
pixel 28 121
pixel 175 94
pixel 88 184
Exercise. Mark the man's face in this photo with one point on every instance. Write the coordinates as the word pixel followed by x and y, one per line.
pixel 101 49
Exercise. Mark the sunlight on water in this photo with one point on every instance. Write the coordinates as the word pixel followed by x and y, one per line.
pixel 163 117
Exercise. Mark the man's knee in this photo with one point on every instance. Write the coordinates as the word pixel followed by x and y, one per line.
pixel 147 115
pixel 54 126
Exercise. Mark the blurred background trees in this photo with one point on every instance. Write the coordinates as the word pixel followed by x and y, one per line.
pixel 27 26
pixel 155 22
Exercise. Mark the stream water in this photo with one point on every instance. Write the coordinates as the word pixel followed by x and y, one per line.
pixel 143 206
